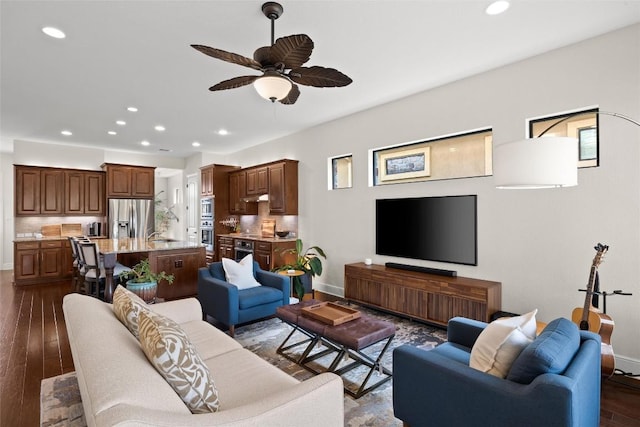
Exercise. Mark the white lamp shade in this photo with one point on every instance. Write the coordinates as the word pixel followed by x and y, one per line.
pixel 273 88
pixel 547 162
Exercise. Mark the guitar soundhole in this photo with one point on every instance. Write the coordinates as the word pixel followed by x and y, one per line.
pixel 584 325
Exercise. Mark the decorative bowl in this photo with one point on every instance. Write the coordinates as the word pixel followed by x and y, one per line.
pixel 282 233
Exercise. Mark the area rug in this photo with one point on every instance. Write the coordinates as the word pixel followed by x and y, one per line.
pixel 60 403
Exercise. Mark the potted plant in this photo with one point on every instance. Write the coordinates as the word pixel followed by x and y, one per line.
pixel 305 260
pixel 163 215
pixel 144 282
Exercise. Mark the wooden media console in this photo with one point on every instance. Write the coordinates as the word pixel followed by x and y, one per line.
pixel 427 297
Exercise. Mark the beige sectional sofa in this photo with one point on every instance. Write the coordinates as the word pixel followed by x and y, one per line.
pixel 120 387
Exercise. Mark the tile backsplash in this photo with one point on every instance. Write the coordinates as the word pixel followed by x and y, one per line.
pixel 28 226
pixel 250 224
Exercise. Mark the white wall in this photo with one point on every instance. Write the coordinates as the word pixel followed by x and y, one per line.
pixel 538 243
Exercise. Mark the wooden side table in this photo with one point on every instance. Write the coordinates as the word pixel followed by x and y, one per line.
pixel 291 274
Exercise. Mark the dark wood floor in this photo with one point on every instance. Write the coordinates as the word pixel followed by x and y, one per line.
pixel 34 345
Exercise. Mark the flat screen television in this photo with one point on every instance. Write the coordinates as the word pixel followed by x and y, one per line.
pixel 429 228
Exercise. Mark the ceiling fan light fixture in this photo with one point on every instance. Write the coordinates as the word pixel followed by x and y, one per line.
pixel 273 87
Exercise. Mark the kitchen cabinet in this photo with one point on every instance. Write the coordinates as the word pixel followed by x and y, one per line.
pixel 51 192
pixel 27 194
pixel 125 181
pixel 206 181
pixel 269 254
pixel 84 193
pixel 40 262
pixel 257 181
pixel 283 187
pixel 238 194
pixel 94 194
pixel 38 191
pixel 58 192
pixel 225 247
pixel 184 265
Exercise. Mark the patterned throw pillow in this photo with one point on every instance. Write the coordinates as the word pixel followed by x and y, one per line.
pixel 127 307
pixel 168 349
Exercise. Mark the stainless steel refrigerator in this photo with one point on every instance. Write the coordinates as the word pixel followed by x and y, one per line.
pixel 130 218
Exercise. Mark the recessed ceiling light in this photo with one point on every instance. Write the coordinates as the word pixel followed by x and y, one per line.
pixel 121 122
pixel 160 128
pixel 223 132
pixel 132 109
pixel 497 7
pixel 54 32
pixel 66 133
pixel 195 144
pixel 145 143
pixel 112 132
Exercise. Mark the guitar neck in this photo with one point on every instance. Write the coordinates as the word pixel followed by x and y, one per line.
pixel 587 298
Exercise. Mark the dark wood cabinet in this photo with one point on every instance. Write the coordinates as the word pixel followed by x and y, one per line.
pixel 238 204
pixel 94 194
pixel 74 192
pixel 51 192
pixel 125 181
pixel 206 181
pixel 427 297
pixel 40 262
pixel 184 265
pixel 27 194
pixel 225 247
pixel 58 192
pixel 269 254
pixel 257 181
pixel 283 188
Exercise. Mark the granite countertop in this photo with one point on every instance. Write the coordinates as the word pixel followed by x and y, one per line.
pixel 143 245
pixel 258 238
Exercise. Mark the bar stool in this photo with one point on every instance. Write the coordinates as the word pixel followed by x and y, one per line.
pixel 94 273
pixel 75 275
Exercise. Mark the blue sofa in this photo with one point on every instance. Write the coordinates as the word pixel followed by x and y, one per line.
pixel 230 306
pixel 551 382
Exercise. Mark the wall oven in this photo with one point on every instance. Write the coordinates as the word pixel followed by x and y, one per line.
pixel 206 234
pixel 242 248
pixel 206 208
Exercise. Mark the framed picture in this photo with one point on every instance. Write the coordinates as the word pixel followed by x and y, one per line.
pixel 410 163
pixel 587 143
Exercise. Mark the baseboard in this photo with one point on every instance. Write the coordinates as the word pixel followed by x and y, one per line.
pixel 7 266
pixel 334 290
pixel 627 364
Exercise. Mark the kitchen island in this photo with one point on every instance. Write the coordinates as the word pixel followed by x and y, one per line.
pixel 180 258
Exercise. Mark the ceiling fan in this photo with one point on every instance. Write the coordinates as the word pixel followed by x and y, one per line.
pixel 280 63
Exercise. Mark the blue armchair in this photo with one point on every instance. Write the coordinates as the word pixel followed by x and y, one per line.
pixel 438 388
pixel 224 302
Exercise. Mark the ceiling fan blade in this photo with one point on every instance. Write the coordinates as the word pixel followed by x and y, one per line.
pixel 234 83
pixel 292 51
pixel 319 77
pixel 292 96
pixel 234 58
pixel 263 55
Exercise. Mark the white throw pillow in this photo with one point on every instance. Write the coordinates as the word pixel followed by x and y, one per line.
pixel 500 343
pixel 240 273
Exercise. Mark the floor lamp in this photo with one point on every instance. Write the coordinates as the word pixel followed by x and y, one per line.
pixel 541 162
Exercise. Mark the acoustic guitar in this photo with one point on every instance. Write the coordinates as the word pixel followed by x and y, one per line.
pixel 589 318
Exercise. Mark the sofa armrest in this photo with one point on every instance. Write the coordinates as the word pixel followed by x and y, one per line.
pixel 463 331
pixel 181 310
pixel 277 281
pixel 218 298
pixel 431 389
